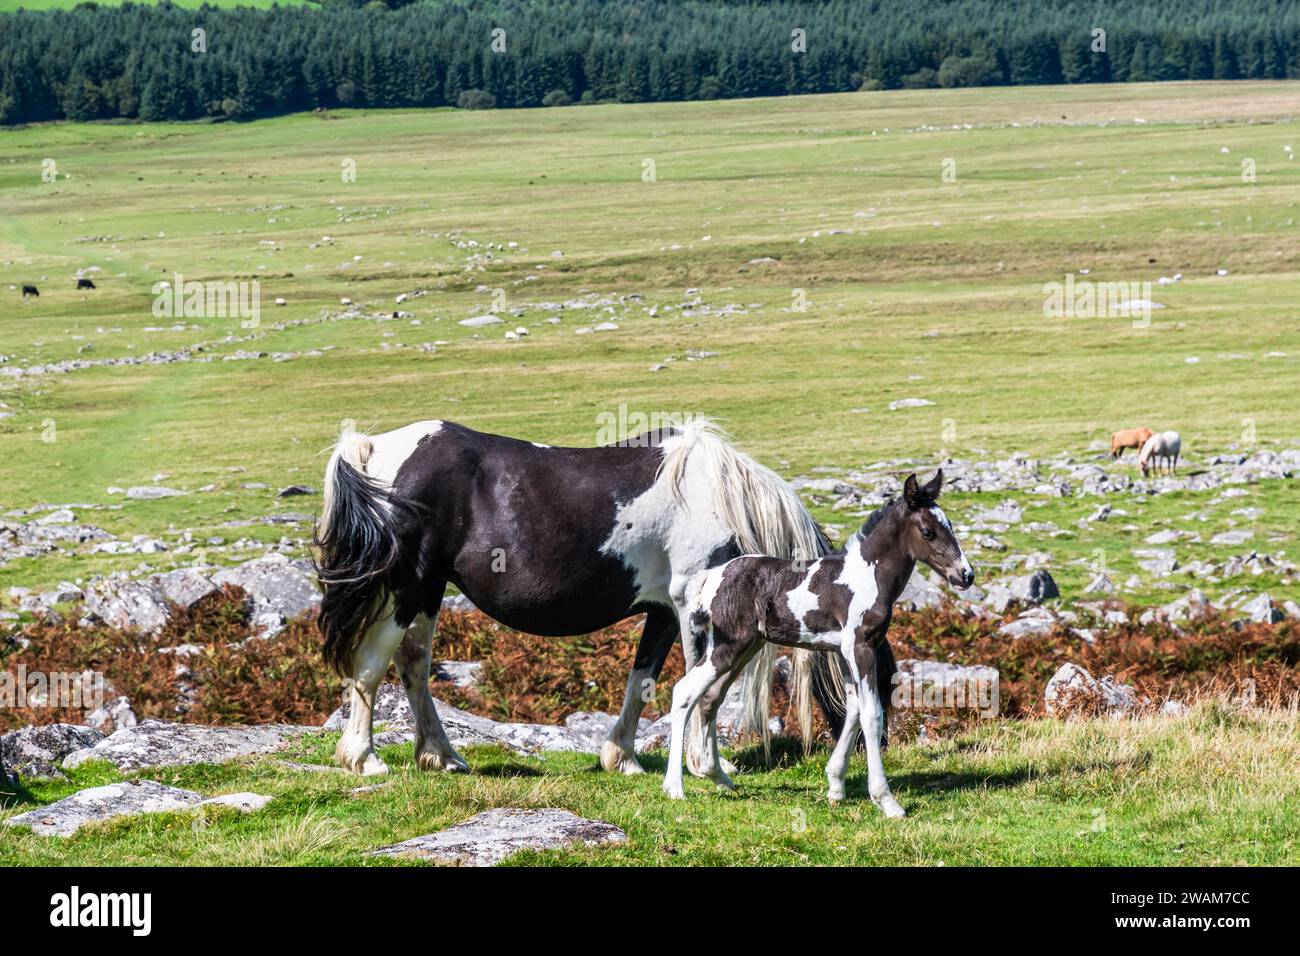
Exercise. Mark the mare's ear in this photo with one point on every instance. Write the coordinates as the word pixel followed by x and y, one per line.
pixel 911 491
pixel 934 485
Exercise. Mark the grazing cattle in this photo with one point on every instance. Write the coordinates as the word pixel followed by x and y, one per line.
pixel 1161 449
pixel 839 604
pixel 1128 438
pixel 550 541
pixel 31 290
pixel 85 284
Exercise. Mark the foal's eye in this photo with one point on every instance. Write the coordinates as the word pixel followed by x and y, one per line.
pixel 927 533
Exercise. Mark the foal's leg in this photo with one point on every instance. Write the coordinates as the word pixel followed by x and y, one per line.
pixel 862 664
pixel 844 746
pixel 433 751
pixel 712 765
pixel 700 731
pixel 355 749
pixel 686 693
pixel 657 636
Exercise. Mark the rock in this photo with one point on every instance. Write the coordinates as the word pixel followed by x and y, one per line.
pixel 463 728
pixel 152 492
pixel 1101 514
pixel 920 593
pixel 70 814
pixel 479 321
pixel 295 490
pixel 37 751
pixel 460 673
pixel 113 716
pixel 493 835
pixel 999 598
pixel 1190 607
pixel 1162 537
pixel 1173 708
pixel 1026 625
pixel 243 802
pixel 909 403
pixel 1035 588
pixel 938 685
pixel 1158 561
pixel 185 587
pixel 158 743
pixel 1072 692
pixel 1237 536
pixel 1260 610
pixel 1100 584
pixel 276 585
pixel 595 726
pixel 128 605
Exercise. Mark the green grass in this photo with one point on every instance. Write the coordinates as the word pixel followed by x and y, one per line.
pixel 1213 788
pixel 1049 180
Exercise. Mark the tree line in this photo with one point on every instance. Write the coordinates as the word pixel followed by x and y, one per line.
pixel 161 62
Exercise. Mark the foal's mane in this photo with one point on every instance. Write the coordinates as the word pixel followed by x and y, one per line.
pixel 879 515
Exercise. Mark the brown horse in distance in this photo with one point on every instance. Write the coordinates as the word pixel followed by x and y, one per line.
pixel 1128 438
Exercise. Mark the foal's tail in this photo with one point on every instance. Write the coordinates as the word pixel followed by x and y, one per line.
pixel 356 542
pixel 766 517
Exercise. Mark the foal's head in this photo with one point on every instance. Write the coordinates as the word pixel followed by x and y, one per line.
pixel 927 534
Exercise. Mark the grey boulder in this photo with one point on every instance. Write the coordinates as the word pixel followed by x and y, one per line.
pixel 493 835
pixel 158 743
pixel 37 751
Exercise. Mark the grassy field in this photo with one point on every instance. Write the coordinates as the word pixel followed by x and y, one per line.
pixel 912 286
pixel 1212 788
pixel 815 246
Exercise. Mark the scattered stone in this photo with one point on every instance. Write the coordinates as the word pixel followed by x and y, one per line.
pixel 1073 692
pixel 37 751
pixel 139 606
pixel 1100 584
pixel 184 587
pixel 479 321
pixel 151 492
pixel 243 802
pixel 97 804
pixel 393 711
pixel 1035 588
pixel 909 403
pixel 157 743
pixel 112 717
pixel 493 835
pixel 460 673
pixel 1260 610
pixel 295 490
pixel 280 589
pixel 595 726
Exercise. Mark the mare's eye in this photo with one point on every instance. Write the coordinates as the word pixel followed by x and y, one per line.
pixel 927 533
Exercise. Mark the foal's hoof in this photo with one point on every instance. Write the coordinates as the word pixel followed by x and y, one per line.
pixel 727 766
pixel 674 791
pixel 615 759
pixel 835 798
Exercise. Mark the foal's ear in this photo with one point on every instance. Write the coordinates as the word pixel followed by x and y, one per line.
pixel 911 491
pixel 934 485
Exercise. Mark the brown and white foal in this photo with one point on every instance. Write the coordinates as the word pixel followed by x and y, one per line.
pixel 839 604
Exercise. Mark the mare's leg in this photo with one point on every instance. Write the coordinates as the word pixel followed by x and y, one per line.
pixel 355 749
pixel 433 751
pixel 862 664
pixel 657 636
pixel 838 765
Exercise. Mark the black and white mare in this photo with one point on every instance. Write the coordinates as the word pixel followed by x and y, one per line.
pixel 548 540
